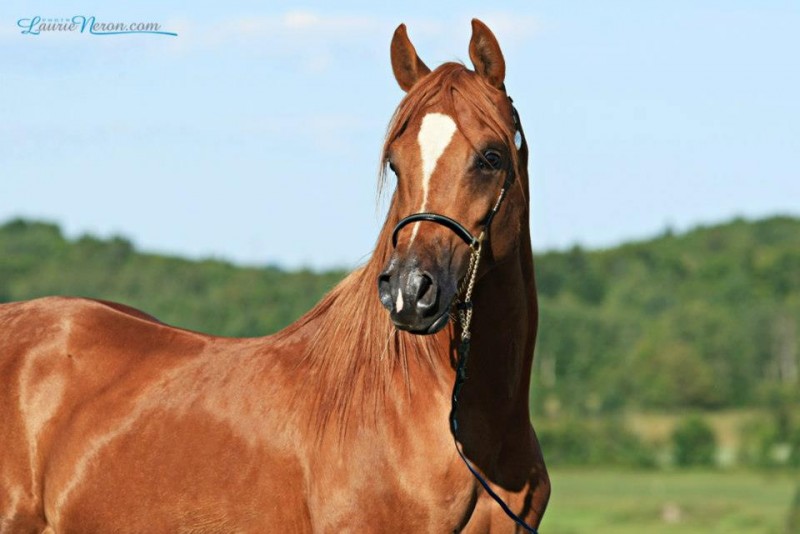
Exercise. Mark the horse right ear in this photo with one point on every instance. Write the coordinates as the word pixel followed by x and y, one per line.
pixel 407 66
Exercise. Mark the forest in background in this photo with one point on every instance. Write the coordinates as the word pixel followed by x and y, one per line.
pixel 706 321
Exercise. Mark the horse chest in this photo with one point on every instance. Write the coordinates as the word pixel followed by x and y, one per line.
pixel 417 485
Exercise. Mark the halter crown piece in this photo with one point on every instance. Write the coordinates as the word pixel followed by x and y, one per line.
pixel 465 308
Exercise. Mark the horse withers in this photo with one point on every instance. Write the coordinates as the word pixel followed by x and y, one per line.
pixel 111 421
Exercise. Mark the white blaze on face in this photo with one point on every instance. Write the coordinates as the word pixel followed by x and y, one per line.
pixel 435 134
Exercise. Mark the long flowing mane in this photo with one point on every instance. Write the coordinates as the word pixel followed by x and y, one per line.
pixel 353 352
pixel 355 355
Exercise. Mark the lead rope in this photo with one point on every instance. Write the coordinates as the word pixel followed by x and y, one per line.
pixel 465 318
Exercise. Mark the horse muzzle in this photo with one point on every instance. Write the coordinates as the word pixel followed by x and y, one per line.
pixel 418 299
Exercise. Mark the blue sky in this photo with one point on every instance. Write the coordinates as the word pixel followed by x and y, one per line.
pixel 254 135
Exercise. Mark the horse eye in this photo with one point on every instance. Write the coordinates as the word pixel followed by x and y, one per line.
pixel 393 169
pixel 491 160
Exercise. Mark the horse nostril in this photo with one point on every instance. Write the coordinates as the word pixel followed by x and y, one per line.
pixel 425 282
pixel 427 294
pixel 385 290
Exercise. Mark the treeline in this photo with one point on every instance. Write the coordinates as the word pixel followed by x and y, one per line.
pixel 210 296
pixel 707 319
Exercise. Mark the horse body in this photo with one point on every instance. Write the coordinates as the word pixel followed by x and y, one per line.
pixel 111 421
pixel 108 415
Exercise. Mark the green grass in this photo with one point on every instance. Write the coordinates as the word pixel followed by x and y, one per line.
pixel 656 502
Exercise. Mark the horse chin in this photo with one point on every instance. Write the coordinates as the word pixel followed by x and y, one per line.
pixel 436 326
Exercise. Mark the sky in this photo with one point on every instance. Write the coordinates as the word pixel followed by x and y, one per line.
pixel 254 134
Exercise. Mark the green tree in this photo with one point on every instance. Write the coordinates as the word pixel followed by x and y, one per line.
pixel 694 442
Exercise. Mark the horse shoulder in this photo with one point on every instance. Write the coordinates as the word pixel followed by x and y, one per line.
pixel 56 354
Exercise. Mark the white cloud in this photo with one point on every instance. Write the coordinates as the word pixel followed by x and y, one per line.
pixel 298 24
pixel 313 40
pixel 512 26
pixel 305 28
pixel 506 26
pixel 305 21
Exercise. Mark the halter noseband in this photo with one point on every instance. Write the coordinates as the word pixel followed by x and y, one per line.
pixel 465 304
pixel 452 224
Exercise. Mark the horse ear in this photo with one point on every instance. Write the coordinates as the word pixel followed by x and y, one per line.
pixel 486 55
pixel 407 66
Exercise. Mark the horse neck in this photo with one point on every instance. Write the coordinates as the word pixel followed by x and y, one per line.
pixel 503 337
pixel 505 322
pixel 355 364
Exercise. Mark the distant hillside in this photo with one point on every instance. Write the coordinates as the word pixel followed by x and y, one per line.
pixel 210 296
pixel 709 318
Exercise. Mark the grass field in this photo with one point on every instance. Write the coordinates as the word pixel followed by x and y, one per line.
pixel 620 502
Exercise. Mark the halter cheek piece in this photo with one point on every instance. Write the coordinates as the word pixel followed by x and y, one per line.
pixel 465 305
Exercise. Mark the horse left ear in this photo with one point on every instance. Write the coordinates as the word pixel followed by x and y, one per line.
pixel 484 51
pixel 407 66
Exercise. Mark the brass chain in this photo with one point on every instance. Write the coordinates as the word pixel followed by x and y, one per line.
pixel 465 310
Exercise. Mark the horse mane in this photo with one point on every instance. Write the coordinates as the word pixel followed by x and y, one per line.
pixel 354 357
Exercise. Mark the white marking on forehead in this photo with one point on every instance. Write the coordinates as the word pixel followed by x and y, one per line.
pixel 435 134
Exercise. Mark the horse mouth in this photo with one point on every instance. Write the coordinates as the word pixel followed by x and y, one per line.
pixel 436 326
pixel 439 323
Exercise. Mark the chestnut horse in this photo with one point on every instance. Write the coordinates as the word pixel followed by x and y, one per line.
pixel 112 421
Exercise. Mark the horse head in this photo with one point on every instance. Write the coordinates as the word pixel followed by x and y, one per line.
pixel 457 151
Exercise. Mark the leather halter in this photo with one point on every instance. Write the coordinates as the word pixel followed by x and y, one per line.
pixel 465 306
